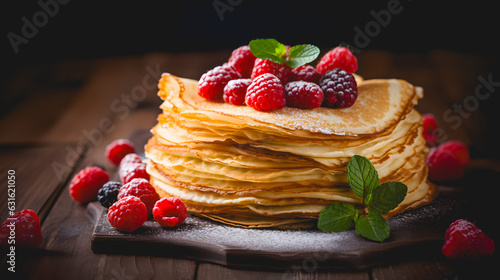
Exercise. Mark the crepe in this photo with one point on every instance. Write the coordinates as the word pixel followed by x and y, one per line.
pixel 248 168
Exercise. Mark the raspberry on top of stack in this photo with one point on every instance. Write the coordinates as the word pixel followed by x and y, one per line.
pixel 281 159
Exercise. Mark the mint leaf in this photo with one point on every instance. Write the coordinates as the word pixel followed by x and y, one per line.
pixel 386 197
pixel 301 54
pixel 372 226
pixel 337 217
pixel 269 49
pixel 363 177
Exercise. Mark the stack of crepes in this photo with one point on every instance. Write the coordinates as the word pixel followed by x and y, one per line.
pixel 248 168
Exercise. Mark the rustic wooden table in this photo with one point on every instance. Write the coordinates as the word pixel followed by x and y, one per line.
pixel 62 115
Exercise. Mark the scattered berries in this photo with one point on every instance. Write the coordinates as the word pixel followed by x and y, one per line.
pixel 266 93
pixel 263 66
pixel 448 161
pixel 303 95
pixel 170 212
pixel 131 171
pixel 235 91
pixel 242 60
pixel 118 149
pixel 305 73
pixel 339 57
pixel 24 228
pixel 142 189
pixel 464 240
pixel 108 194
pixel 86 184
pixel 459 149
pixel 340 89
pixel 430 126
pixel 127 214
pixel 211 84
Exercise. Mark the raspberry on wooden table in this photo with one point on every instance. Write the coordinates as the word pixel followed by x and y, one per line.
pixel 211 84
pixel 464 240
pixel 127 214
pixel 263 66
pixel 235 91
pixel 131 171
pixel 86 184
pixel 340 89
pixel 26 226
pixel 131 158
pixel 339 57
pixel 242 60
pixel 303 95
pixel 266 93
pixel 448 161
pixel 118 149
pixel 170 212
pixel 142 189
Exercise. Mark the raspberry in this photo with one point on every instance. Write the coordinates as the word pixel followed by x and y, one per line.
pixel 459 149
pixel 430 126
pixel 305 73
pixel 131 158
pixel 108 194
pixel 303 95
pixel 142 189
pixel 127 214
pixel 235 91
pixel 242 60
pixel 265 93
pixel 464 240
pixel 118 149
pixel 262 66
pixel 340 89
pixel 211 84
pixel 170 212
pixel 86 184
pixel 444 166
pixel 24 227
pixel 339 57
pixel 128 172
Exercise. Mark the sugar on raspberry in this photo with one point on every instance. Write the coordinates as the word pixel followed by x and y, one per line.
pixel 339 88
pixel 305 73
pixel 465 240
pixel 266 93
pixel 142 189
pixel 127 214
pixel 303 95
pixel 263 66
pixel 86 184
pixel 235 91
pixel 26 228
pixel 130 158
pixel 339 57
pixel 242 60
pixel 118 149
pixel 131 171
pixel 170 212
pixel 211 84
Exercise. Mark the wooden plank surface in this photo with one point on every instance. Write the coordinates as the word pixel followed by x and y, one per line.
pixel 90 103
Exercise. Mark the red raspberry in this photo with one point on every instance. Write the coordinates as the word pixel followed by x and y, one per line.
pixel 235 91
pixel 118 149
pixel 21 229
pixel 142 189
pixel 128 172
pixel 211 84
pixel 170 212
pixel 262 66
pixel 86 184
pixel 130 158
pixel 339 57
pixel 464 240
pixel 265 93
pixel 242 60
pixel 127 214
pixel 340 89
pixel 444 166
pixel 430 126
pixel 303 95
pixel 305 73
pixel 459 149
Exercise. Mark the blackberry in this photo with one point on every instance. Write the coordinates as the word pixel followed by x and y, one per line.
pixel 108 194
pixel 339 87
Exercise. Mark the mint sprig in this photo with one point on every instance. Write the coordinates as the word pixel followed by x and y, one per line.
pixel 276 52
pixel 376 198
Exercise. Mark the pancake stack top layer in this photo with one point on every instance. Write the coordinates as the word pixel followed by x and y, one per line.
pixel 247 168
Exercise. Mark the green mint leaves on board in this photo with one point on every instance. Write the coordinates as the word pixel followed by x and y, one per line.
pixel 376 198
pixel 276 52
